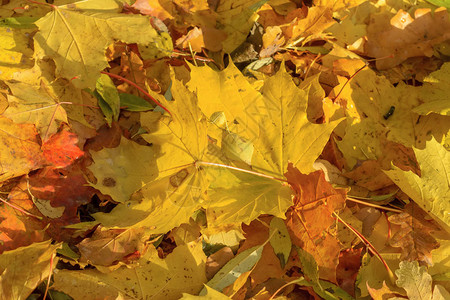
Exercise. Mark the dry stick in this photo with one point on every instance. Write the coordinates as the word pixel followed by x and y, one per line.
pixel 188 55
pixel 374 205
pixel 139 88
pixel 368 245
pixel 351 77
pixel 239 169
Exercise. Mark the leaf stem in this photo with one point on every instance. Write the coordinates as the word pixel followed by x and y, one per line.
pixel 46 4
pixel 368 245
pixel 20 209
pixel 239 169
pixel 139 88
pixel 374 205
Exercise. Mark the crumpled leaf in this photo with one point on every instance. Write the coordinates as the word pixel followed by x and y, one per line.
pixel 20 151
pixel 24 268
pixel 182 271
pixel 414 237
pixel 414 279
pixel 61 189
pixel 430 190
pixel 105 247
pixel 76 37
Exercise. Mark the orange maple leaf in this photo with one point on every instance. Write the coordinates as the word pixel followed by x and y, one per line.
pixel 60 150
pixel 310 218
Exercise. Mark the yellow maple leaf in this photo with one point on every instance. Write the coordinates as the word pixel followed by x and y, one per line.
pixel 430 190
pixel 182 271
pixel 76 36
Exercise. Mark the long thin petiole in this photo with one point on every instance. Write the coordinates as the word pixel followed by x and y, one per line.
pixel 374 205
pixel 139 88
pixel 368 245
pixel 240 170
pixel 20 209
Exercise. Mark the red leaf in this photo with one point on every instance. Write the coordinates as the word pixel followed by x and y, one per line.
pixel 61 149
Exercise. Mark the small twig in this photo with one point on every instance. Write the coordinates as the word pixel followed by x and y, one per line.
pixel 374 205
pixel 351 77
pixel 139 88
pixel 49 277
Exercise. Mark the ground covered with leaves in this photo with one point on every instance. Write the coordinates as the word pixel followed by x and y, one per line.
pixel 224 149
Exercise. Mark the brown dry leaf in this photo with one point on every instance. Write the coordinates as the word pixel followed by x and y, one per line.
pixel 404 37
pixel 347 270
pixel 16 228
pixel 268 265
pixel 217 260
pixel 414 235
pixel 107 246
pixel 131 68
pixel 66 189
pixel 310 218
pixel 370 176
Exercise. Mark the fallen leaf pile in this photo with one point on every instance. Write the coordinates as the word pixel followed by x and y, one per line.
pixel 232 149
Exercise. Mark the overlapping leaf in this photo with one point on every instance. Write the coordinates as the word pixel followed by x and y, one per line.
pixel 182 271
pixel 430 190
pixel 76 37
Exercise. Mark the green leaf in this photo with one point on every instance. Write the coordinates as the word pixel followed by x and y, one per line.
pixel 280 241
pixel 415 280
pixel 134 103
pixel 309 266
pixel 241 263
pixel 106 89
pixel 19 22
pixel 106 109
pixel 76 35
pixel 440 3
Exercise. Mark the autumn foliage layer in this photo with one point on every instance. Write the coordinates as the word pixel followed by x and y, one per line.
pixel 224 149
